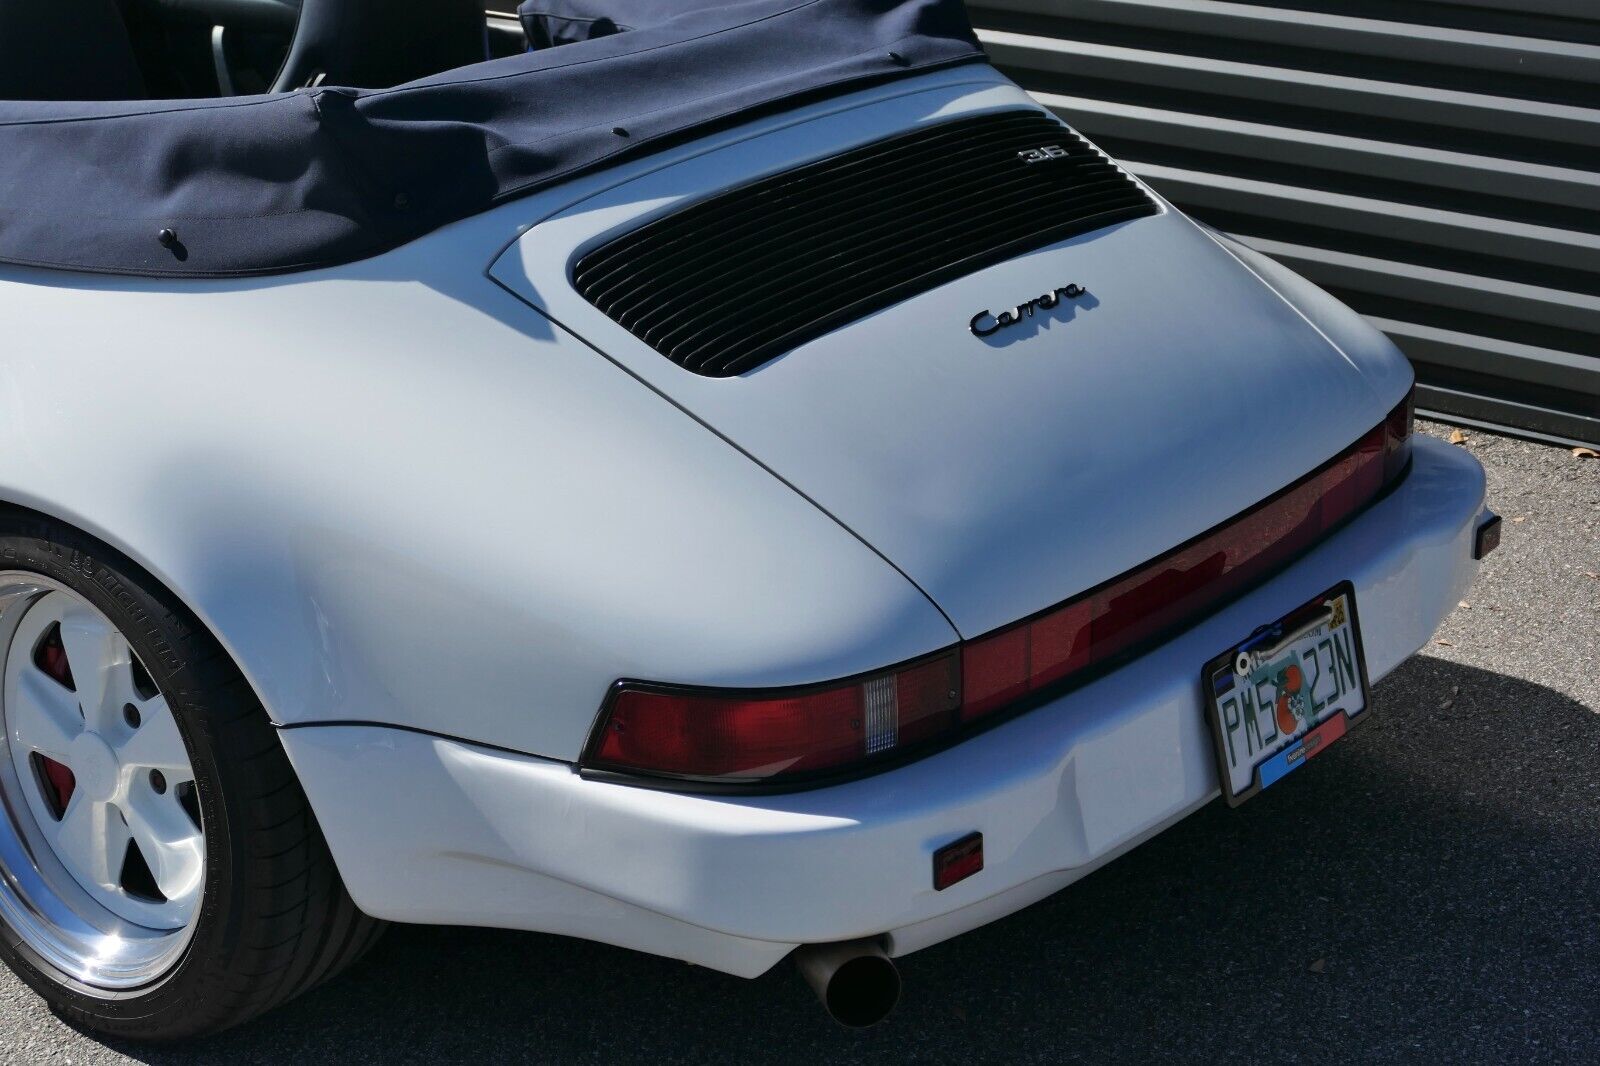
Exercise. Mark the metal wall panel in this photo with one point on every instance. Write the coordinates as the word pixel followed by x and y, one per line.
pixel 1436 165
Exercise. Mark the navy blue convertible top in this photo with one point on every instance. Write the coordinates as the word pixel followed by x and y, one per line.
pixel 293 181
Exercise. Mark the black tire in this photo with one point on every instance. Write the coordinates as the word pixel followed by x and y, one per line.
pixel 275 919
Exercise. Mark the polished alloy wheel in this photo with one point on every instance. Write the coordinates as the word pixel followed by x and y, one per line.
pixel 162 874
pixel 101 842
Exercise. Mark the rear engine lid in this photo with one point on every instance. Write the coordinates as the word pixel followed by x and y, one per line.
pixel 1009 429
pixel 736 280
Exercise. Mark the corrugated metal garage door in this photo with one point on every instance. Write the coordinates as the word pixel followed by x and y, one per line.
pixel 1436 165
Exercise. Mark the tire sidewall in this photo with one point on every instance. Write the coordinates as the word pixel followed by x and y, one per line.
pixel 160 635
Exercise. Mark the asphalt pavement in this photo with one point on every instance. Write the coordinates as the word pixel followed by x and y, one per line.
pixel 1429 892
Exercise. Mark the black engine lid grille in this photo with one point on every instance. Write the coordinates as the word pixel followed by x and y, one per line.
pixel 729 283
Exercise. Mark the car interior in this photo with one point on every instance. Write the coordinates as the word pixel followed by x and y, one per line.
pixel 184 49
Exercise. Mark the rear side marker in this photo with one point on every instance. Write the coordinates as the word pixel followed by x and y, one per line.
pixel 1488 538
pixel 957 861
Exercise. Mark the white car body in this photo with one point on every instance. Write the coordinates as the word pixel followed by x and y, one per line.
pixel 435 505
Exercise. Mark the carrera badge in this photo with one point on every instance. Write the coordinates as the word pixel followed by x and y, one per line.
pixel 987 323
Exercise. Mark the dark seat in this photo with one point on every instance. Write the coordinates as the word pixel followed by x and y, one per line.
pixel 373 44
pixel 66 50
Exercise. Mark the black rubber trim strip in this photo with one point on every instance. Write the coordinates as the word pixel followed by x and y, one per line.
pixel 362 723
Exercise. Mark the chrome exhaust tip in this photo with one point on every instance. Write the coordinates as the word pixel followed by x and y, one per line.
pixel 857 983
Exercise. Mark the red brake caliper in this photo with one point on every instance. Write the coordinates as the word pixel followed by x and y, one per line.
pixel 51 657
pixel 59 783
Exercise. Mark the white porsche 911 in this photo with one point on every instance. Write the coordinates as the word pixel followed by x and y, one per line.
pixel 732 480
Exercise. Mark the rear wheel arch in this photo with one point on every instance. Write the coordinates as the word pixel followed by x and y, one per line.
pixel 131 556
pixel 269 876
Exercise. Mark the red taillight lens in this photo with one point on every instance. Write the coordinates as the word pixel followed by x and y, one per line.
pixel 772 735
pixel 761 736
pixel 1397 437
pixel 1001 669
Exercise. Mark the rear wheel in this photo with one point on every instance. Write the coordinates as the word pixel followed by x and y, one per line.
pixel 163 875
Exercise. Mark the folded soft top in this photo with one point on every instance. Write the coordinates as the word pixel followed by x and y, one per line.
pixel 552 22
pixel 266 184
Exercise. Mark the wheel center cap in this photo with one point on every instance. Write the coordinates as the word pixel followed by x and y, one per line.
pixel 95 766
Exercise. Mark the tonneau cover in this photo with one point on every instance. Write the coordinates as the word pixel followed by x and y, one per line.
pixel 268 184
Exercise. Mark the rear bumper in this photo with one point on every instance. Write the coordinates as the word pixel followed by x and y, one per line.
pixel 432 830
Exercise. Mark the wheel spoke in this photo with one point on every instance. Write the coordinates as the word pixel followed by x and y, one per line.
pixel 44 716
pixel 93 838
pixel 169 842
pixel 94 651
pixel 156 744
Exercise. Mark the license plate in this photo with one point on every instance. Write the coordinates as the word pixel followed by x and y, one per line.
pixel 1284 695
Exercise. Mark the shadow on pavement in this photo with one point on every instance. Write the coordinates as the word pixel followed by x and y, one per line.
pixel 1430 891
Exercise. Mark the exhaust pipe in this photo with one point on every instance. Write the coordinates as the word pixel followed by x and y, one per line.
pixel 856 982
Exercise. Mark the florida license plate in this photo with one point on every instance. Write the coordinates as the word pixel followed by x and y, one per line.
pixel 1284 695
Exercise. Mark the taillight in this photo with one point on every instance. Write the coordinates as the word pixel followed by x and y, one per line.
pixel 772 735
pixel 1397 437
pixel 712 734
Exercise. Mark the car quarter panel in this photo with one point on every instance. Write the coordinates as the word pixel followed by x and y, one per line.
pixel 397 494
